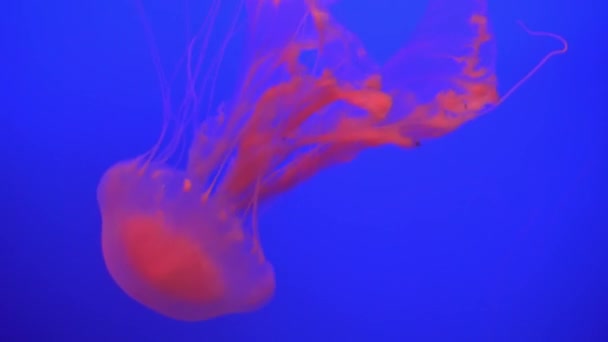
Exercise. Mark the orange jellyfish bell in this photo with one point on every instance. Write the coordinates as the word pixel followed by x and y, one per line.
pixel 174 252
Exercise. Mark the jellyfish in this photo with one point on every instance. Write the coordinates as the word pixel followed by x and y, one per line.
pixel 184 240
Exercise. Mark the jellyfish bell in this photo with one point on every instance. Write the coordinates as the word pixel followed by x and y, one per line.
pixel 175 252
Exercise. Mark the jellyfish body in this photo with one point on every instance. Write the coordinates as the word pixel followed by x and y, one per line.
pixel 185 243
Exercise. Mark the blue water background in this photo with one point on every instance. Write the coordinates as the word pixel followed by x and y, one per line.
pixel 497 232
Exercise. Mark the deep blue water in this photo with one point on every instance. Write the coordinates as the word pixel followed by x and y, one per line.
pixel 497 232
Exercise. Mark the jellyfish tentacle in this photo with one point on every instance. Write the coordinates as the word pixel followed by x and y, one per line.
pixel 540 63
